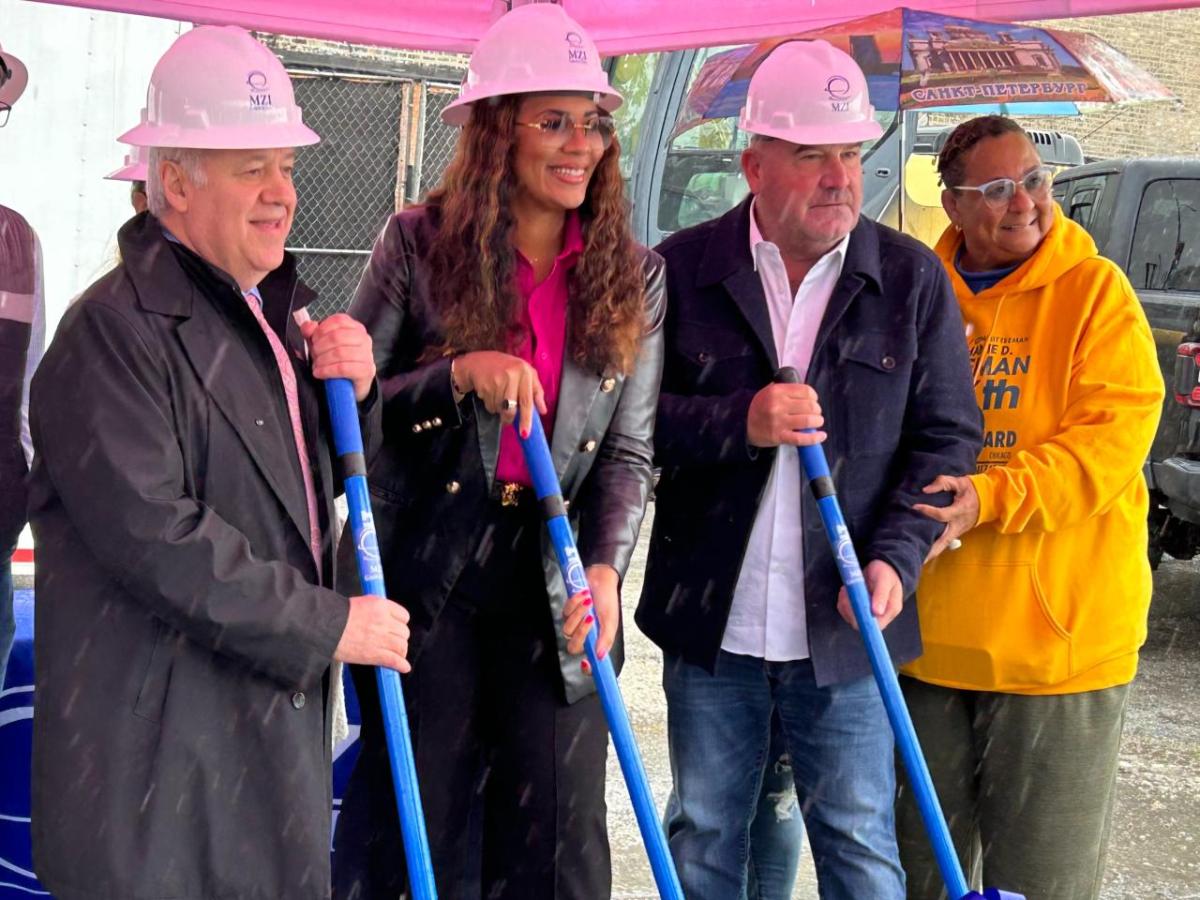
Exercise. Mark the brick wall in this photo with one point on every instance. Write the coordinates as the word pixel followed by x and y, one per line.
pixel 1165 44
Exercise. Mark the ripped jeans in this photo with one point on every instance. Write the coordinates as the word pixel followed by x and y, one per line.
pixel 777 831
pixel 840 744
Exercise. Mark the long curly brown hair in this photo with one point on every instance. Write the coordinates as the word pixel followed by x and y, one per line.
pixel 473 260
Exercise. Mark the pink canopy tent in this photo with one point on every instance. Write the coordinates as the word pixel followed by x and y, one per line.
pixel 617 26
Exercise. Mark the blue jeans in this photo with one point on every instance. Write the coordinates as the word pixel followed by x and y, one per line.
pixel 8 625
pixel 841 751
pixel 776 832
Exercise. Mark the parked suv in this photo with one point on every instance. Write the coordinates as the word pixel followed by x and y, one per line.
pixel 1144 214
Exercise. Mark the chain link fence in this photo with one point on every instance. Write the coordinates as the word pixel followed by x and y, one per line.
pixel 383 144
pixel 346 183
pixel 437 147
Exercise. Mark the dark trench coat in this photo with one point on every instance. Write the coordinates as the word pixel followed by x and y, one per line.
pixel 183 643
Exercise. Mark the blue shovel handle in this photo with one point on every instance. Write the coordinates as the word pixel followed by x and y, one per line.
pixel 816 470
pixel 347 439
pixel 549 492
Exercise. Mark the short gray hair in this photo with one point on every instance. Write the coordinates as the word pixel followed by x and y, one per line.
pixel 192 163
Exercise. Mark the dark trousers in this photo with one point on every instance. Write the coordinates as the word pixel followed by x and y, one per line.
pixel 1026 783
pixel 512 778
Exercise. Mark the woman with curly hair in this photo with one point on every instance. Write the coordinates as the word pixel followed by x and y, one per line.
pixel 515 290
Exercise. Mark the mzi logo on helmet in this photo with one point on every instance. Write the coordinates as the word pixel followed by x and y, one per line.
pixel 260 96
pixel 838 89
pixel 575 51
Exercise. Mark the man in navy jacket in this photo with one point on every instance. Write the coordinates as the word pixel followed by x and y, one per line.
pixel 741 591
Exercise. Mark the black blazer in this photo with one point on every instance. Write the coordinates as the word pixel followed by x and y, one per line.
pixel 890 367
pixel 184 637
pixel 438 461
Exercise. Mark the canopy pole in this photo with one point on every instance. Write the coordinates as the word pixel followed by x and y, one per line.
pixel 900 206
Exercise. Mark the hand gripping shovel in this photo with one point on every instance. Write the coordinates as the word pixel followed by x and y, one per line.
pixel 816 470
pixel 549 493
pixel 347 439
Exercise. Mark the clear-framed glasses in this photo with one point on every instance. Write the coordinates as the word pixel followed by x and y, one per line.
pixel 557 128
pixel 5 109
pixel 1000 191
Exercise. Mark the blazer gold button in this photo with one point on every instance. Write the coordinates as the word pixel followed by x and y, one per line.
pixel 417 428
pixel 888 363
pixel 259 422
pixel 453 487
pixel 427 424
pixel 437 422
pixel 298 700
pixel 587 446
pixel 608 384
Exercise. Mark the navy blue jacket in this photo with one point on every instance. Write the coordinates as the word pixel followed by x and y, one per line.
pixel 890 368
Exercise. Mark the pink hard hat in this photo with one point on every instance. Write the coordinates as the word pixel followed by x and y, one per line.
pixel 809 92
pixel 13 78
pixel 135 167
pixel 534 48
pixel 217 88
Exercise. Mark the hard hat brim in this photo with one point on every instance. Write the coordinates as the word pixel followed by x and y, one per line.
pixel 15 86
pixel 815 135
pixel 134 172
pixel 229 137
pixel 459 112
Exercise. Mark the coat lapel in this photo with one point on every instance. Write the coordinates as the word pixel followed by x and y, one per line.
pixel 487 428
pixel 745 286
pixel 576 393
pixel 236 385
pixel 861 265
pixel 164 280
pixel 727 261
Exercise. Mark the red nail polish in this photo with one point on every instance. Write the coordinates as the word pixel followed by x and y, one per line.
pixel 587 600
pixel 525 432
pixel 589 620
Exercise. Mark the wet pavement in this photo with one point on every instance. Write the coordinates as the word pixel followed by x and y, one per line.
pixel 1155 847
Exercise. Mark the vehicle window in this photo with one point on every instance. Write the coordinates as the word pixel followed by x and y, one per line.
pixel 1060 191
pixel 1166 240
pixel 633 76
pixel 1084 200
pixel 702 175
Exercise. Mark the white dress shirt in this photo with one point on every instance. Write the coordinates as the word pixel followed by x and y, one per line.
pixel 767 619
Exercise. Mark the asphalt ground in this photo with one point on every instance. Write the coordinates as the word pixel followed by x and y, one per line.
pixel 1154 851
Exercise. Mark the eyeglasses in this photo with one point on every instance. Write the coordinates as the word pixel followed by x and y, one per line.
pixel 557 128
pixel 1000 191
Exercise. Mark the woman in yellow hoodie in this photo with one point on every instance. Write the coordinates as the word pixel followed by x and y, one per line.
pixel 1032 628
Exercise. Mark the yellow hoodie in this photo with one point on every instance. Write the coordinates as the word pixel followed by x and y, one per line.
pixel 1049 593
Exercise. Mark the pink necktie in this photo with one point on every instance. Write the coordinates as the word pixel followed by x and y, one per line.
pixel 288 376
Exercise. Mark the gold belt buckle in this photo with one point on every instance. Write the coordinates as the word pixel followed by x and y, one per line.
pixel 510 493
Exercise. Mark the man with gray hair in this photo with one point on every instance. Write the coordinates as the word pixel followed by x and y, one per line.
pixel 182 502
pixel 742 590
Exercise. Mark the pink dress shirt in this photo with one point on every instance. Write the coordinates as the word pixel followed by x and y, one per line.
pixel 287 377
pixel 544 317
